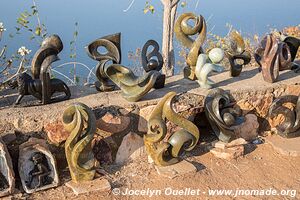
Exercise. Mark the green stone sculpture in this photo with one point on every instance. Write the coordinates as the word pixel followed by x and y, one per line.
pixel 110 72
pixel 183 32
pixel 207 64
pixel 80 121
pixel 165 151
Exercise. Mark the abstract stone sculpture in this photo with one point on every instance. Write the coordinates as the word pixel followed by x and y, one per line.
pixel 207 64
pixel 237 52
pixel 133 87
pixel 41 86
pixel 165 151
pixel 80 121
pixel 183 32
pixel 221 114
pixel 290 126
pixel 274 55
pixel 37 166
pixel 7 177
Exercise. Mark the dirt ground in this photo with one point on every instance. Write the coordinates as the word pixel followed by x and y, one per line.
pixel 260 169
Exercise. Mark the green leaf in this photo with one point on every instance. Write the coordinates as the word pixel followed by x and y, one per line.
pixel 38 31
pixel 76 33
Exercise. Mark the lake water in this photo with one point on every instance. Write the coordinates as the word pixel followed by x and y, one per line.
pixel 97 18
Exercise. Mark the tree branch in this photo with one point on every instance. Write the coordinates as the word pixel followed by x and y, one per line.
pixel 130 5
pixel 175 2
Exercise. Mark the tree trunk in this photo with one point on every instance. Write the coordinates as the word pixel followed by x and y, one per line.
pixel 170 8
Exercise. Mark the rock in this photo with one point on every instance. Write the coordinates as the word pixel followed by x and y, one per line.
pixel 279 119
pixel 249 129
pixel 56 132
pixel 102 151
pixel 228 153
pixel 113 123
pixel 293 90
pixel 179 169
pixel 222 145
pixel 144 117
pixel 131 147
pixel 25 165
pixel 284 146
pixel 97 185
pixel 259 103
pixel 7 186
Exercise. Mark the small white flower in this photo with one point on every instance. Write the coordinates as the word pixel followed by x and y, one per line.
pixel 2 29
pixel 23 51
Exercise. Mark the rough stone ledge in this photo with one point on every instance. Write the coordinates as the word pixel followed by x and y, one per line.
pixel 33 118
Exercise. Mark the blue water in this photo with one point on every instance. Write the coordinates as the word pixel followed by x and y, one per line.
pixel 97 18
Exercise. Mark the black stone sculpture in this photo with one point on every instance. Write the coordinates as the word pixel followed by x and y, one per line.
pixel 237 52
pixel 40 172
pixel 110 73
pixel 40 85
pixel 290 127
pixel 222 115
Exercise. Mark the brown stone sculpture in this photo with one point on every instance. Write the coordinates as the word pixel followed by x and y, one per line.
pixel 222 115
pixel 110 70
pixel 37 166
pixel 80 121
pixel 40 85
pixel 183 32
pixel 165 151
pixel 237 52
pixel 274 55
pixel 7 177
pixel 289 109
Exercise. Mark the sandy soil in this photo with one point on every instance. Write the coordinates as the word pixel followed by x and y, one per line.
pixel 260 169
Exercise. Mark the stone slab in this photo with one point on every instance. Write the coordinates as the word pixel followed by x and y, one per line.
pixel 97 185
pixel 229 153
pixel 179 169
pixel 284 146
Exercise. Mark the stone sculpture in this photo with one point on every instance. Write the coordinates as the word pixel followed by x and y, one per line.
pixel 183 32
pixel 37 166
pixel 237 52
pixel 110 70
pixel 80 121
pixel 289 109
pixel 276 54
pixel 40 85
pixel 7 177
pixel 222 115
pixel 206 64
pixel 165 151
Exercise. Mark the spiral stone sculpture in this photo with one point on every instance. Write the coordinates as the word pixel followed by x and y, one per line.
pixel 183 32
pixel 290 127
pixel 206 64
pixel 165 151
pixel 236 52
pixel 133 87
pixel 221 114
pixel 80 121
pixel 274 55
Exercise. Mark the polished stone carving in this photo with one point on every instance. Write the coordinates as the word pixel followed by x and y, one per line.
pixel 184 33
pixel 80 121
pixel 274 55
pixel 40 85
pixel 290 127
pixel 37 166
pixel 222 115
pixel 207 64
pixel 133 87
pixel 236 53
pixel 165 151
pixel 7 177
